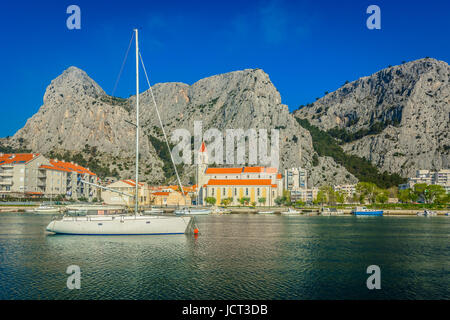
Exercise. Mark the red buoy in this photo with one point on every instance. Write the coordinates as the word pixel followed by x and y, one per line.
pixel 195 231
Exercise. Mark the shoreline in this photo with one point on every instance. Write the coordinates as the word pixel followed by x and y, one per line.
pixel 276 211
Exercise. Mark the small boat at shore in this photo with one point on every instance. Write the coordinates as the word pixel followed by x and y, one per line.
pixel 266 212
pixel 290 212
pixel 154 211
pixel 44 209
pixel 192 211
pixel 427 213
pixel 363 211
pixel 221 211
pixel 331 212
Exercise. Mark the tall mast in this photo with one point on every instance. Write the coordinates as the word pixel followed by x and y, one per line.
pixel 136 203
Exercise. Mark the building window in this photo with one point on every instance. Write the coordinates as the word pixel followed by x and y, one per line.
pixel 224 192
pixel 212 191
pixel 257 191
pixel 235 191
pixel 246 191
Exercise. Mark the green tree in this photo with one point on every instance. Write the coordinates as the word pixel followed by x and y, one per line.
pixel 419 191
pixel 211 200
pixel 299 203
pixel 287 197
pixel 382 196
pixel 327 195
pixel 226 201
pixel 244 201
pixel 262 200
pixel 443 199
pixel 340 197
pixel 433 192
pixel 367 190
pixel 406 195
pixel 279 201
pixel 354 198
pixel 321 197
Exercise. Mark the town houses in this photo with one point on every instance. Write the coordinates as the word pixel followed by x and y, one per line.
pixel 33 175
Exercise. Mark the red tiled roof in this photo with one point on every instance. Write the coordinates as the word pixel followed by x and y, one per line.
pixel 13 158
pixel 223 170
pixel 239 182
pixel 240 170
pixel 253 169
pixel 66 167
pixel 132 182
pixel 160 193
pixel 54 168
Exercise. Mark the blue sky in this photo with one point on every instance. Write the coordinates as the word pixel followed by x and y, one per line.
pixel 306 47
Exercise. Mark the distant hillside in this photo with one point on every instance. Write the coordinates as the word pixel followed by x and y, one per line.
pixel 397 118
pixel 80 122
pixel 394 121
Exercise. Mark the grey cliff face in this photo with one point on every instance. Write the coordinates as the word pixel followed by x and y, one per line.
pixel 77 112
pixel 404 111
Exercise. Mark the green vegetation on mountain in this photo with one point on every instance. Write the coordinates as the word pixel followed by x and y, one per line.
pixel 92 162
pixel 345 136
pixel 164 154
pixel 325 145
pixel 8 149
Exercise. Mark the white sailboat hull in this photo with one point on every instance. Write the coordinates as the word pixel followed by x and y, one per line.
pixel 120 225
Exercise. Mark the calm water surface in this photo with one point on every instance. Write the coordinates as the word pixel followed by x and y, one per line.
pixel 234 257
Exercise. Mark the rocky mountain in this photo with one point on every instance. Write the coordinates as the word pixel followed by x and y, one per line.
pixel 79 120
pixel 398 118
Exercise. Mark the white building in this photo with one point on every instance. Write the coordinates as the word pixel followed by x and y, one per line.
pixel 31 174
pixel 295 179
pixel 307 195
pixel 441 178
pixel 348 189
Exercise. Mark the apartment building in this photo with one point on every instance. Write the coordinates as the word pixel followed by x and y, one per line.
pixel 441 178
pixel 348 189
pixel 32 174
pixel 306 195
pixel 20 174
pixel 295 179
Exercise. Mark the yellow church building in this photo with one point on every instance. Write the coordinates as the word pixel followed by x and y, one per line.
pixel 259 185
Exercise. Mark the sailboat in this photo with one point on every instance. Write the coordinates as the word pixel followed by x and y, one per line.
pixel 46 208
pixel 136 224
